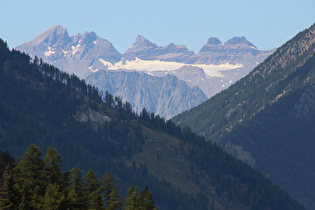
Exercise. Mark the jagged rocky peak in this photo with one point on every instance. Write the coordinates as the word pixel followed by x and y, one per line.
pixel 88 38
pixel 173 48
pixel 55 33
pixel 85 37
pixel 142 49
pixel 51 35
pixel 60 30
pixel 213 45
pixel 77 54
pixel 239 41
pixel 213 41
pixel 141 41
pixel 240 46
pixel 89 35
pixel 76 38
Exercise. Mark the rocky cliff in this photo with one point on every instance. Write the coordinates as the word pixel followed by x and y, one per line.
pixel 165 96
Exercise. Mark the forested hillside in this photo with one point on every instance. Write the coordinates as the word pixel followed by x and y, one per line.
pixel 44 106
pixel 267 118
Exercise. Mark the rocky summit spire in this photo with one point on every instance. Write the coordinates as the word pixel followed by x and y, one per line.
pixel 143 42
pixel 49 36
pixel 239 41
pixel 213 45
pixel 240 46
pixel 141 48
pixel 213 41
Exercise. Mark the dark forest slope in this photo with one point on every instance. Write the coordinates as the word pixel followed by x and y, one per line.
pixel 267 119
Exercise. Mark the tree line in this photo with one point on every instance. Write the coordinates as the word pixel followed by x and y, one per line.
pixel 39 183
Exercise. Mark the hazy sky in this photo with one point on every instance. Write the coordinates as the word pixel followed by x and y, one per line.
pixel 266 23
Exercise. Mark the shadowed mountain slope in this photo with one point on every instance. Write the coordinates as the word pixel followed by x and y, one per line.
pixel 267 118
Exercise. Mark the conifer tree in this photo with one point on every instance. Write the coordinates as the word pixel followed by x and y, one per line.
pixel 111 193
pixel 115 200
pixel 53 197
pixel 146 199
pixel 53 165
pixel 5 173
pixel 93 190
pixel 31 179
pixel 9 195
pixel 27 195
pixel 76 197
pixel 132 201
pixel 109 183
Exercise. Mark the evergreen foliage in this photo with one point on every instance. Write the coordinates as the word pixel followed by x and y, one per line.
pixel 6 162
pixel 29 186
pixel 139 200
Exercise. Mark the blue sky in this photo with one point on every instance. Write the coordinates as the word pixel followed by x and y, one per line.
pixel 267 24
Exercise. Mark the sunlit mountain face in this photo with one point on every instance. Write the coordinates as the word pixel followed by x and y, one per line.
pixel 214 68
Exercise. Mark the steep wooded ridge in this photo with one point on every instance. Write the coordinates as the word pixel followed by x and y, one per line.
pixel 267 118
pixel 47 107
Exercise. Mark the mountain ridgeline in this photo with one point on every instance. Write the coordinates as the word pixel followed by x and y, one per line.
pixel 47 107
pixel 267 118
pixel 86 54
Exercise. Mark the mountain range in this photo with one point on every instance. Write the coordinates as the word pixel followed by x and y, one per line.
pixel 213 69
pixel 44 106
pixel 267 118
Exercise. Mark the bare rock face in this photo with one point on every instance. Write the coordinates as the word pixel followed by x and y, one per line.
pixel 86 114
pixel 146 50
pixel 165 96
pixel 212 52
pixel 239 45
pixel 142 48
pixel 235 50
pixel 78 54
pixel 214 45
pixel 240 50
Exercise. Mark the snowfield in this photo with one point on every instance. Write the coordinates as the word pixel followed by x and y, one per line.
pixel 156 65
